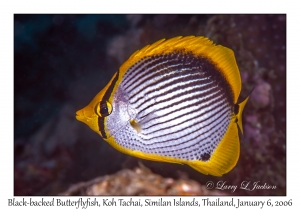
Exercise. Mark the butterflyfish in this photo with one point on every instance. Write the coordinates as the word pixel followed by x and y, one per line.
pixel 173 101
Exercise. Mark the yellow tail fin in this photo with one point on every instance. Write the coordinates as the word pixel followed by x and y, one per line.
pixel 239 114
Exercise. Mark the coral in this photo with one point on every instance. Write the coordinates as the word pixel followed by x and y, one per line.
pixel 139 181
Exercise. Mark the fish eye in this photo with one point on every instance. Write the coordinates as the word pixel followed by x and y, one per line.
pixel 103 109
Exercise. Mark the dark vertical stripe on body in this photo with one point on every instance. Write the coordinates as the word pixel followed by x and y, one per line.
pixel 203 106
pixel 147 74
pixel 178 64
pixel 222 113
pixel 105 98
pixel 168 81
pixel 181 99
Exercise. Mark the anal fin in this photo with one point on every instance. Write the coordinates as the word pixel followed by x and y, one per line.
pixel 225 156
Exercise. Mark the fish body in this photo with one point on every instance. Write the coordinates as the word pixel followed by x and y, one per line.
pixel 173 101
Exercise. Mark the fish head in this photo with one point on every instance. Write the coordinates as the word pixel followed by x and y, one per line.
pixel 92 113
pixel 107 117
pixel 121 116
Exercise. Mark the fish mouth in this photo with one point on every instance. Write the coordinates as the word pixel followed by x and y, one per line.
pixel 87 117
pixel 80 115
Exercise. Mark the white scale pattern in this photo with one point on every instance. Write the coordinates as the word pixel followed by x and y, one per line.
pixel 194 135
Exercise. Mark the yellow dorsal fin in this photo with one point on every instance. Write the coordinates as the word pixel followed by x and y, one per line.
pixel 239 114
pixel 221 56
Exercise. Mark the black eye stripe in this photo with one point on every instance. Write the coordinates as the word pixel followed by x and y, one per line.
pixel 105 98
pixel 103 109
pixel 110 88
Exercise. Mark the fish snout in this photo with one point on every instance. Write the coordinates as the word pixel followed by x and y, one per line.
pixel 79 115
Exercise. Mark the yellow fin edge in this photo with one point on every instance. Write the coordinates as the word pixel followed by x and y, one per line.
pixel 225 155
pixel 146 156
pixel 223 57
pixel 239 114
pixel 222 160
